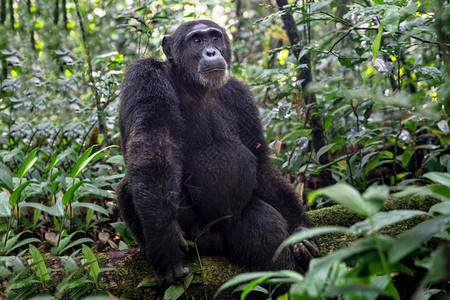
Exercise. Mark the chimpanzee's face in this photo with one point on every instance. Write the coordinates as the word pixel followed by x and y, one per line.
pixel 201 52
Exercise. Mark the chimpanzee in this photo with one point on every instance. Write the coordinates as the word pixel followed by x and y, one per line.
pixel 194 151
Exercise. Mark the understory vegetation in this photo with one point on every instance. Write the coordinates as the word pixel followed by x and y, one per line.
pixel 354 97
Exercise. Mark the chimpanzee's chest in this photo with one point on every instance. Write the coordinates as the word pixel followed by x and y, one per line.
pixel 214 153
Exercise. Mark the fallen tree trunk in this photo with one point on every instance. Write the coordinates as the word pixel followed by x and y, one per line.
pixel 131 268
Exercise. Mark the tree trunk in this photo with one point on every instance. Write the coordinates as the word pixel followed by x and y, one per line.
pixel 64 13
pixel 2 11
pixel 11 13
pixel 32 40
pixel 305 77
pixel 56 13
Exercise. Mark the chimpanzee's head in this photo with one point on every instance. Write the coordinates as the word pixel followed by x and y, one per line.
pixel 201 53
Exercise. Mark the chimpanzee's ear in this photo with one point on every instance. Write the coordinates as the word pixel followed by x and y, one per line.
pixel 166 44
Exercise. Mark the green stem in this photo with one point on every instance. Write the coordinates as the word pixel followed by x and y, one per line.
pixel 201 269
pixel 380 251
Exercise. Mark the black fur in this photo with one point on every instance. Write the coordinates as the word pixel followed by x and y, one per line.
pixel 195 151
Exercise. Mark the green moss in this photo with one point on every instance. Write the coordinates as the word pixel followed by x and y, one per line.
pixel 341 216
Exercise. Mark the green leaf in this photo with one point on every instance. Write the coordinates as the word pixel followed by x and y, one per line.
pixel 29 161
pixel 148 280
pixel 53 161
pixel 62 242
pixel 81 163
pixel 21 283
pixel 306 234
pixel 23 242
pixel 36 214
pixel 94 267
pixel 382 219
pixel 327 122
pixel 122 229
pixel 77 242
pixel 409 10
pixel 324 149
pixel 116 159
pixel 92 206
pixel 188 280
pixel 291 136
pixel 241 278
pixel 374 197
pixel 406 157
pixel 211 224
pixel 442 208
pixel 430 71
pixel 376 43
pixel 174 292
pixel 123 246
pixel 89 215
pixel 41 268
pixel 16 193
pixel 49 210
pixel 372 163
pixel 66 286
pixel 5 207
pixel 253 284
pixel 410 240
pixel 442 178
pixel 6 178
pixel 344 194
pixel 256 288
pixel 437 272
pixel 86 158
pixel 391 19
pixel 69 193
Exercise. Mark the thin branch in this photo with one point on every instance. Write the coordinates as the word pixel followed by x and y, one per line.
pixel 338 41
pixel 348 24
pixel 100 107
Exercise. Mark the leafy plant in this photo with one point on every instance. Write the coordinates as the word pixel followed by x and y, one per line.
pixel 367 266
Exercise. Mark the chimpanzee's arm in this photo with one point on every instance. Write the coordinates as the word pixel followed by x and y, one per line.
pixel 272 187
pixel 150 125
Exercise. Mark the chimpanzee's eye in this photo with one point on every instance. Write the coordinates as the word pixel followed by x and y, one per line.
pixel 215 38
pixel 197 40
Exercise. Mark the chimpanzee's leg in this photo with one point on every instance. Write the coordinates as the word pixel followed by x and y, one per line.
pixel 252 238
pixel 192 224
pixel 128 212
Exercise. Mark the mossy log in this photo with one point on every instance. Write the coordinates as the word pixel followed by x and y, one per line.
pixel 131 268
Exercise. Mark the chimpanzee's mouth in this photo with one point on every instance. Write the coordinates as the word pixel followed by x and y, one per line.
pixel 210 70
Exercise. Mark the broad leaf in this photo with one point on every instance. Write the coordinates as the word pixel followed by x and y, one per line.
pixel 412 239
pixel 94 267
pixel 41 268
pixel 92 206
pixel 344 194
pixel 308 233
pixel 29 161
pixel 376 43
pixel 16 193
pixel 442 178
pixel 383 219
pixel 391 19
pixel 69 193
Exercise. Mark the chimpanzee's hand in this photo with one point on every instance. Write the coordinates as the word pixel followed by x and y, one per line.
pixel 172 275
pixel 304 251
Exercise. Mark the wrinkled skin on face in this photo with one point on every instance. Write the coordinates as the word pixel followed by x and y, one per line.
pixel 201 56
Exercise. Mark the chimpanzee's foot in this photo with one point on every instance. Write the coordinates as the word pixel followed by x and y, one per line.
pixel 304 251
